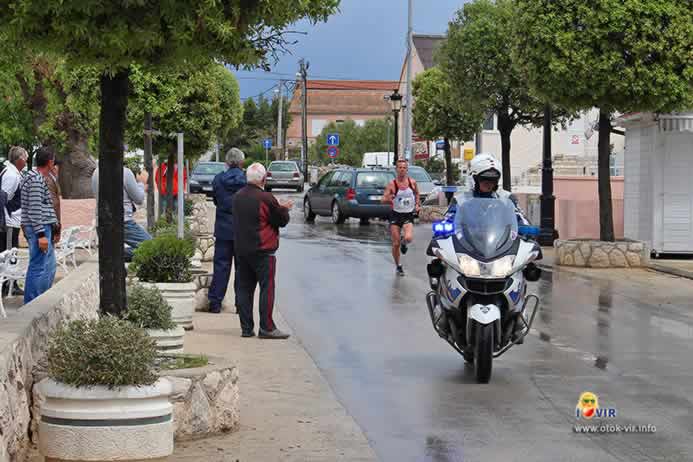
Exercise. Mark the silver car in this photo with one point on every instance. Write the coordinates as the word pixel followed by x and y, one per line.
pixel 284 174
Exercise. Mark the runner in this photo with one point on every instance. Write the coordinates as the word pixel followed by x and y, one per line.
pixel 403 194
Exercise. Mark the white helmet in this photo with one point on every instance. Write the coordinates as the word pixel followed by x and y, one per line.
pixel 484 166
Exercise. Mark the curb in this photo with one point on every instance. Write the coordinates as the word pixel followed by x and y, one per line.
pixel 672 271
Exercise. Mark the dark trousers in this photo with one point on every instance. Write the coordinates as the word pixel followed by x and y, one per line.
pixel 253 270
pixel 223 262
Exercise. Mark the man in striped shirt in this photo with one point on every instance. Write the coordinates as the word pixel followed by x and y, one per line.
pixel 38 222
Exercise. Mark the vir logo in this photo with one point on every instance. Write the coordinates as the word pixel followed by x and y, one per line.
pixel 588 407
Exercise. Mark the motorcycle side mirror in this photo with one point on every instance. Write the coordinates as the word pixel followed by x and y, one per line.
pixel 532 272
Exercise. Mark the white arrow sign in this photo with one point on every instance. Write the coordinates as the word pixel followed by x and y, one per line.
pixel 333 139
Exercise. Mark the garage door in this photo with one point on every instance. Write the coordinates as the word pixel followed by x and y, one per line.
pixel 678 194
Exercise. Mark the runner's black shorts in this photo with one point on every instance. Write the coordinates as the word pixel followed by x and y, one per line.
pixel 401 219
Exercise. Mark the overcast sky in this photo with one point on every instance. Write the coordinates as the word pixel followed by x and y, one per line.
pixel 366 40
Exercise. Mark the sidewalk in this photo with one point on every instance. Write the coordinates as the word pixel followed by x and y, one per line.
pixel 677 267
pixel 288 410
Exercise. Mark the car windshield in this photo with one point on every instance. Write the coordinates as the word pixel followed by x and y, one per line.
pixel 209 169
pixel 486 228
pixel 420 175
pixel 376 180
pixel 283 167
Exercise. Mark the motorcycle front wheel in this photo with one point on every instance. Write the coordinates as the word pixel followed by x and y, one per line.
pixel 483 352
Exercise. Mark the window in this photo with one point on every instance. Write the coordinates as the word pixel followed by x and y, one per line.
pixel 339 122
pixel 209 169
pixel 420 175
pixel 375 180
pixel 336 180
pixel 283 167
pixel 316 126
pixel 345 180
pixel 325 180
pixel 489 122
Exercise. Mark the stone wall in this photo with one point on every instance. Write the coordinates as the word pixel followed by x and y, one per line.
pixel 23 342
pixel 205 400
pixel 600 254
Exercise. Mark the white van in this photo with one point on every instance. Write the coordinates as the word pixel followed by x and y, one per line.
pixel 378 159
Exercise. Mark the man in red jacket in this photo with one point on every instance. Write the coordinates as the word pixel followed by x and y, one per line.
pixel 257 217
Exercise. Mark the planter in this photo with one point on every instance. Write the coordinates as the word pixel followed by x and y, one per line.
pixel 168 341
pixel 180 295
pixel 98 424
pixel 600 254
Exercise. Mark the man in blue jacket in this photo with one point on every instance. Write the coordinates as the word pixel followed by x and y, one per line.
pixel 225 185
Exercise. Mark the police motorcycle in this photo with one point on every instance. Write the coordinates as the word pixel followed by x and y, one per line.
pixel 482 262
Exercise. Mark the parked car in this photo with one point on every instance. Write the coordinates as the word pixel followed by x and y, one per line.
pixel 284 174
pixel 202 176
pixel 349 193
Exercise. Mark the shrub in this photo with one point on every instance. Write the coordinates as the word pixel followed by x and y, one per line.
pixel 148 309
pixel 188 205
pixel 110 352
pixel 164 258
pixel 164 227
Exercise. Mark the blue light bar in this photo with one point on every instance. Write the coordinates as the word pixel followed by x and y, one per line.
pixel 528 230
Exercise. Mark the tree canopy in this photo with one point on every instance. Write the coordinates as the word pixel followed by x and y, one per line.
pixel 618 55
pixel 477 60
pixel 354 141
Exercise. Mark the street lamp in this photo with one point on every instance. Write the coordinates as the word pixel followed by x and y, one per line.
pixel 396 101
pixel 548 200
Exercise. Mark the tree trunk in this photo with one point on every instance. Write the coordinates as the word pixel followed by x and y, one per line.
pixel 77 168
pixel 170 168
pixel 149 167
pixel 606 218
pixel 505 127
pixel 449 179
pixel 114 100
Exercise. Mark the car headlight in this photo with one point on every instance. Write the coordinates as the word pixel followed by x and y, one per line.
pixel 194 182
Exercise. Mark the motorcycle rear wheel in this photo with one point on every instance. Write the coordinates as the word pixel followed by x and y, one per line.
pixel 483 353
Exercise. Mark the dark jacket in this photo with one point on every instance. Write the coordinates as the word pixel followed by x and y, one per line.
pixel 225 185
pixel 257 217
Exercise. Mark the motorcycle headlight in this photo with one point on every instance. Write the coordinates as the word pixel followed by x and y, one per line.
pixel 498 268
pixel 469 266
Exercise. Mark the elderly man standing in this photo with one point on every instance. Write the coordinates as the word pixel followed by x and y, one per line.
pixel 257 217
pixel 225 185
pixel 10 181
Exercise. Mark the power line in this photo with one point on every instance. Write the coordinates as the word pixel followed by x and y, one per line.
pixel 261 94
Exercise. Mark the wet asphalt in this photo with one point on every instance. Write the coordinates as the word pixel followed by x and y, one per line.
pixel 625 337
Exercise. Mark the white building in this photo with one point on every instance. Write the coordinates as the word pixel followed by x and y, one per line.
pixel 658 188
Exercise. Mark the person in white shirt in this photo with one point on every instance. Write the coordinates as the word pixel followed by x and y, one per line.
pixel 10 180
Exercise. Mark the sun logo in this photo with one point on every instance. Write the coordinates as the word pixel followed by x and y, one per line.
pixel 587 405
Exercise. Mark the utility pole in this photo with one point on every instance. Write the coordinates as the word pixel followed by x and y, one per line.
pixel 280 125
pixel 304 74
pixel 408 154
pixel 150 170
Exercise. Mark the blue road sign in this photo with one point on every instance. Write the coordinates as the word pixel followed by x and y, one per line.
pixel 332 151
pixel 267 143
pixel 333 139
pixel 440 144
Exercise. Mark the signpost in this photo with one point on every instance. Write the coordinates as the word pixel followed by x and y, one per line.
pixel 333 139
pixel 333 151
pixel 267 143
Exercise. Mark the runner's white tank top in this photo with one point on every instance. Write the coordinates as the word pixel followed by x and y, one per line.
pixel 405 200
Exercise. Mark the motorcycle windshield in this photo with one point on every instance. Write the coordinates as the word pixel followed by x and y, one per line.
pixel 486 228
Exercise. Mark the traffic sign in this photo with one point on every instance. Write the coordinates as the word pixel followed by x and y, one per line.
pixel 333 139
pixel 267 143
pixel 332 151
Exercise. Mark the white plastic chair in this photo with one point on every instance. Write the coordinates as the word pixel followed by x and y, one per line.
pixel 12 269
pixel 87 238
pixel 66 247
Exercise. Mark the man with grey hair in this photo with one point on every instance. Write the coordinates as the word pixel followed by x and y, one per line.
pixel 10 181
pixel 257 219
pixel 225 185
